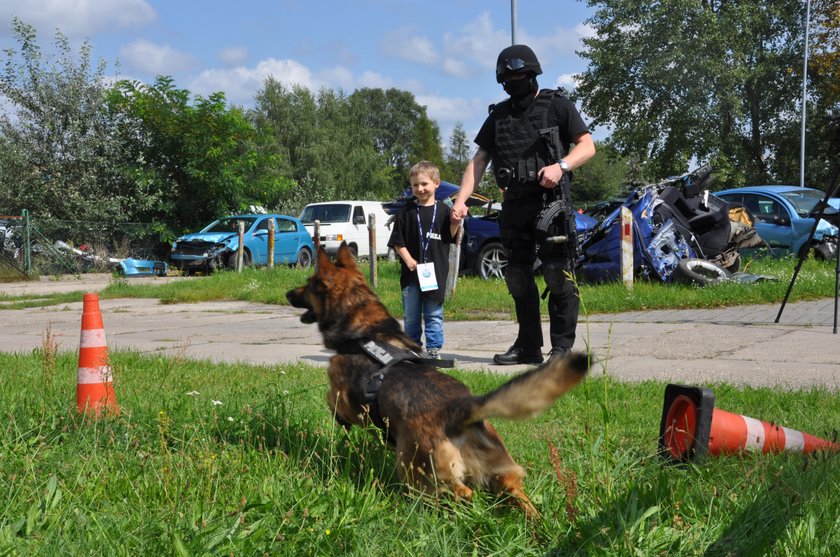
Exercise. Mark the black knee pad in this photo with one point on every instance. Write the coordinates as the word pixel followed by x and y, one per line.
pixel 518 279
pixel 556 276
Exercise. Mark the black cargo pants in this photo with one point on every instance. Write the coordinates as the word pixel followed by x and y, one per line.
pixel 518 223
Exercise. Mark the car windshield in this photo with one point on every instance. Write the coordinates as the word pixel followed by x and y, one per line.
pixel 332 212
pixel 804 200
pixel 230 224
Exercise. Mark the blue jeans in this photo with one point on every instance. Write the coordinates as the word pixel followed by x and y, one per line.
pixel 416 306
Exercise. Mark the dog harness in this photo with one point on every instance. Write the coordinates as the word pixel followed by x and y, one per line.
pixel 388 356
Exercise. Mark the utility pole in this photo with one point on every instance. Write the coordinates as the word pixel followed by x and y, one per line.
pixel 804 92
pixel 512 21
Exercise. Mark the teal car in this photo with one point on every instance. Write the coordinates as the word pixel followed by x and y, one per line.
pixel 784 216
pixel 216 245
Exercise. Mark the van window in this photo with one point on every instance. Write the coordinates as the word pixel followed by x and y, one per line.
pixel 330 212
pixel 359 215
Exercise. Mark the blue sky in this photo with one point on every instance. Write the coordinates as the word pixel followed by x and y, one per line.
pixel 444 52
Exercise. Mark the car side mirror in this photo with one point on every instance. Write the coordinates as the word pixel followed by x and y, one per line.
pixel 780 221
pixel 260 232
pixel 359 219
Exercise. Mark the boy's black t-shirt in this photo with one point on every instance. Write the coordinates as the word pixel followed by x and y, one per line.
pixel 405 233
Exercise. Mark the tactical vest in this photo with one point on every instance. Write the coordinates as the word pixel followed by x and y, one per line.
pixel 520 152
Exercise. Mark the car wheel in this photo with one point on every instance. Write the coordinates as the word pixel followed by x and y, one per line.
pixel 823 252
pixel 354 250
pixel 304 259
pixel 700 272
pixel 491 261
pixel 246 259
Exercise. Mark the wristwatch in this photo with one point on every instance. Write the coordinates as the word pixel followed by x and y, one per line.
pixel 564 166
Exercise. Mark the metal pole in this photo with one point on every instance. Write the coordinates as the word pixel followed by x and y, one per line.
pixel 804 92
pixel 512 21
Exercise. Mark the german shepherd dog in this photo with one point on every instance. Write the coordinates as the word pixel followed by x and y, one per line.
pixel 438 428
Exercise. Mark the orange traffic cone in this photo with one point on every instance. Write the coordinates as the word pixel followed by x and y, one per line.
pixel 94 386
pixel 692 427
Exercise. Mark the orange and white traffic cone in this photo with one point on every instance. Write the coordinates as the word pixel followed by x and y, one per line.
pixel 94 384
pixel 692 427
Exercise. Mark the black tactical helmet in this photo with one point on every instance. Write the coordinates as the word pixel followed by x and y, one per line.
pixel 515 59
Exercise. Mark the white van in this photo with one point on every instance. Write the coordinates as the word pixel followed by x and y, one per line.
pixel 347 221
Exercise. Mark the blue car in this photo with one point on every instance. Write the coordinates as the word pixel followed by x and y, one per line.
pixel 216 245
pixel 784 217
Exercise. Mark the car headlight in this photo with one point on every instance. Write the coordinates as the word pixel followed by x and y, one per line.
pixel 334 238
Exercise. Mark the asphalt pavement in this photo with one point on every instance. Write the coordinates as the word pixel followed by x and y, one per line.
pixel 740 345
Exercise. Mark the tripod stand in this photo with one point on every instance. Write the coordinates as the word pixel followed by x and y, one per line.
pixel 804 254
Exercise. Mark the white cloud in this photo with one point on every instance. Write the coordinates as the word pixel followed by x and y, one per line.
pixel 478 41
pixel 241 84
pixel 373 79
pixel 75 18
pixel 447 110
pixel 233 55
pixel 413 48
pixel 343 78
pixel 585 31
pixel 566 81
pixel 455 67
pixel 152 58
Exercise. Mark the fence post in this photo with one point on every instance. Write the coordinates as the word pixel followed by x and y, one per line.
pixel 240 251
pixel 454 262
pixel 271 243
pixel 316 239
pixel 627 247
pixel 27 243
pixel 372 250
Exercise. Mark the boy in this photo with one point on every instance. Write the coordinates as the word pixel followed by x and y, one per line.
pixel 420 235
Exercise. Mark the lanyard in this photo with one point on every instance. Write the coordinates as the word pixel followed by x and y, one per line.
pixel 424 246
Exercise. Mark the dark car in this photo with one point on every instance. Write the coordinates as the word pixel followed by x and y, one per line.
pixel 481 246
pixel 215 246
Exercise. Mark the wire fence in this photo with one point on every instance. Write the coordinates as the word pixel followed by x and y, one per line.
pixel 38 246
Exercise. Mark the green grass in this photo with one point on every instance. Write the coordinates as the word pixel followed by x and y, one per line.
pixel 475 298
pixel 264 470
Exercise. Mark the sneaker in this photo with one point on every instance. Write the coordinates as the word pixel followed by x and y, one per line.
pixel 518 355
pixel 434 354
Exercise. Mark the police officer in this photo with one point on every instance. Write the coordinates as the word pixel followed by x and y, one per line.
pixel 524 167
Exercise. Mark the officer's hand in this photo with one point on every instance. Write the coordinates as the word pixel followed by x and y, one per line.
pixel 550 176
pixel 459 212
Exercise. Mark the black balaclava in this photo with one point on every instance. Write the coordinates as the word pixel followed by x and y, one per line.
pixel 521 91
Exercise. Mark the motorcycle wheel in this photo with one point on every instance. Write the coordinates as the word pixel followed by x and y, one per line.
pixel 700 272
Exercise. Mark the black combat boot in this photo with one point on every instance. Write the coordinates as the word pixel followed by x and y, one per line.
pixel 519 355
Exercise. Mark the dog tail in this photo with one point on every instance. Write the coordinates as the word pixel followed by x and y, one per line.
pixel 532 392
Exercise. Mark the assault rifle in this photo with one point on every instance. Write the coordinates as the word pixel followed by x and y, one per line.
pixel 556 233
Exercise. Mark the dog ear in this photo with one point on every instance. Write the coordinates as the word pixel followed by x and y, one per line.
pixel 323 259
pixel 345 257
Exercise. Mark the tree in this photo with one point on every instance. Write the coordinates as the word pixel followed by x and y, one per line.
pixel 426 143
pixel 603 177
pixel 358 146
pixel 60 157
pixel 204 159
pixel 697 79
pixel 458 154
pixel 392 117
pixel 824 117
pixel 331 155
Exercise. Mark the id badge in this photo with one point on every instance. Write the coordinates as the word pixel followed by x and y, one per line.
pixel 426 276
